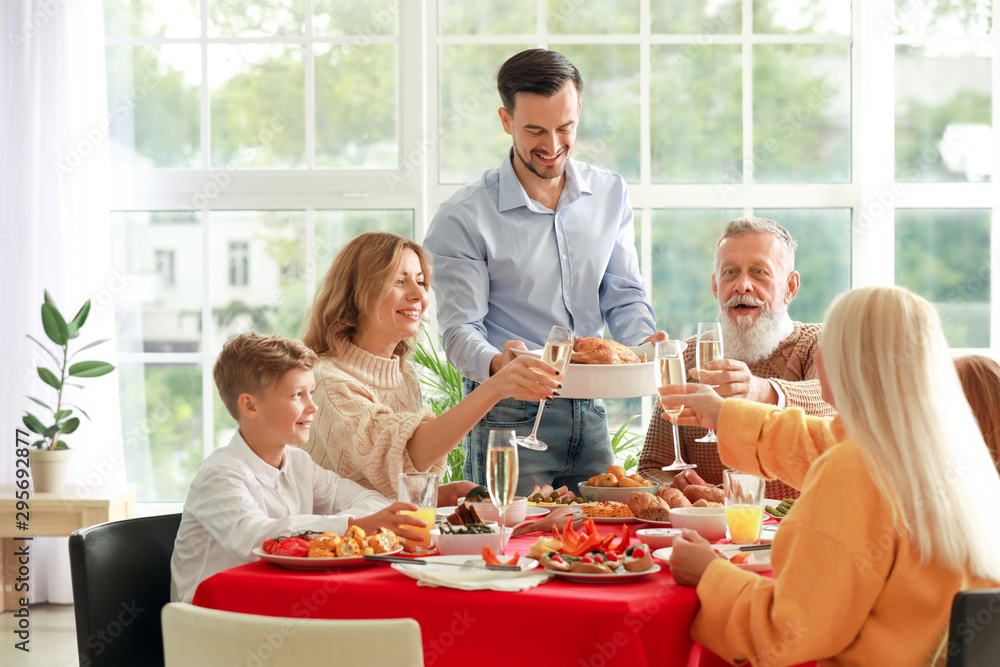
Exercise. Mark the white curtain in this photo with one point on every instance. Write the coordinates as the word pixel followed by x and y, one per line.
pixel 55 234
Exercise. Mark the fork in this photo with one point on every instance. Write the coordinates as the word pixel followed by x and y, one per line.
pixel 464 567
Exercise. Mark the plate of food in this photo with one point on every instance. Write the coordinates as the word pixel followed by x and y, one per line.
pixel 448 563
pixel 602 568
pixel 751 561
pixel 778 509
pixel 307 563
pixel 311 550
pixel 603 368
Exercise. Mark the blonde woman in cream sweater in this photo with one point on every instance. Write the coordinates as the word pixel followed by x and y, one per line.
pixel 370 424
pixel 897 512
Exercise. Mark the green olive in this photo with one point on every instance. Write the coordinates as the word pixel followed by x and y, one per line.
pixel 554 495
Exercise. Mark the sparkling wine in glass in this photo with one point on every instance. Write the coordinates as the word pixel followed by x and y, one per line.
pixel 501 474
pixel 708 348
pixel 669 365
pixel 558 350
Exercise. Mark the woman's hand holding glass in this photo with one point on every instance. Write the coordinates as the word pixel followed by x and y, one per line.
pixel 700 404
pixel 526 379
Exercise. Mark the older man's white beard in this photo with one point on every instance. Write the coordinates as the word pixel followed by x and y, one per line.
pixel 749 341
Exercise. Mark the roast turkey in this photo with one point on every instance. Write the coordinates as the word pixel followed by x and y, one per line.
pixel 590 350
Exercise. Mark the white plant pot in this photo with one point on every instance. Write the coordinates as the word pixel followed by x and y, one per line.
pixel 48 469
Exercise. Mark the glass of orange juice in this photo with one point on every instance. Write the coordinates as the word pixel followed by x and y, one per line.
pixel 420 488
pixel 744 496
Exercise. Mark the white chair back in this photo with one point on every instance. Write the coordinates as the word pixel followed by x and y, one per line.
pixel 198 637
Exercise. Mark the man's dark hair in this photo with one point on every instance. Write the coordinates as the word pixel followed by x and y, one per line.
pixel 538 71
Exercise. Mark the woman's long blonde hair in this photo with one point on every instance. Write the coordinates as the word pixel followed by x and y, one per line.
pixel 897 392
pixel 360 277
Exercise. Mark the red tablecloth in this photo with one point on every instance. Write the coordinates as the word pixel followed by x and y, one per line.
pixel 644 622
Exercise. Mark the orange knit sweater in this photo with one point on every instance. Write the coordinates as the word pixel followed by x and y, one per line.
pixel 792 367
pixel 848 588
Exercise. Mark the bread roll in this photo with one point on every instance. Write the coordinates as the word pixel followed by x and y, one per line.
pixel 673 498
pixel 710 493
pixel 704 503
pixel 648 507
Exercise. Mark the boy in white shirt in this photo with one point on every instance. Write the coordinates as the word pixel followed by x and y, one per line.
pixel 255 487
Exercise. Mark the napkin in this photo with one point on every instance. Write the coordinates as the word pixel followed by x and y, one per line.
pixel 484 580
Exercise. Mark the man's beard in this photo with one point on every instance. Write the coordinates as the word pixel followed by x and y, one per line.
pixel 749 341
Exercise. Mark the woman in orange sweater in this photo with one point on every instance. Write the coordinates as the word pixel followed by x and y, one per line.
pixel 897 511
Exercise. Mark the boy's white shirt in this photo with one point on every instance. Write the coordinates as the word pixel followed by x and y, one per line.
pixel 237 501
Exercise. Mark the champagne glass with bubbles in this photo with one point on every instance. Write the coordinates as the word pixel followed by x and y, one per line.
pixel 708 348
pixel 501 474
pixel 558 350
pixel 669 356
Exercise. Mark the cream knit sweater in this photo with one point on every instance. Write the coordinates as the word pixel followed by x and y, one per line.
pixel 368 408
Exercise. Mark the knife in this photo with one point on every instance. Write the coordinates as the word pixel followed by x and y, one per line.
pixel 379 558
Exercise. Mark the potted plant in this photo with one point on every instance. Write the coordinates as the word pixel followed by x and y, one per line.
pixel 50 452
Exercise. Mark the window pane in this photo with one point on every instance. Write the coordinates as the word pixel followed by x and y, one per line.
pixel 943 113
pixel 255 18
pixel 701 18
pixel 258 279
pixel 696 116
pixel 472 139
pixel 153 96
pixel 512 17
pixel 161 427
pixel 152 313
pixel 355 17
pixel 823 258
pixel 595 17
pixel 943 17
pixel 334 229
pixel 609 120
pixel 356 102
pixel 683 250
pixel 944 256
pixel 801 114
pixel 257 100
pixel 127 18
pixel 802 16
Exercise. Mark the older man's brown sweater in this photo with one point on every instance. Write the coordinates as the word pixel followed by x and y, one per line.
pixel 793 369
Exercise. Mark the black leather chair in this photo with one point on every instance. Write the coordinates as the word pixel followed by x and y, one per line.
pixel 974 629
pixel 121 581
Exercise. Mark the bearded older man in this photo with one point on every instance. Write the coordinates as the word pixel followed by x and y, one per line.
pixel 769 358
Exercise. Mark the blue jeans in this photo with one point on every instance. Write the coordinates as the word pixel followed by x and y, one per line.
pixel 576 431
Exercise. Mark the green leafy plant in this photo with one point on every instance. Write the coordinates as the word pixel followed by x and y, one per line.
pixel 443 391
pixel 61 332
pixel 627 444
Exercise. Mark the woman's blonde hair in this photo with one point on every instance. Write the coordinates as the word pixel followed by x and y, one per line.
pixel 897 392
pixel 358 280
pixel 980 377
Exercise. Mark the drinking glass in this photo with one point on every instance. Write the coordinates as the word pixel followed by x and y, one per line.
pixel 744 495
pixel 421 489
pixel 708 348
pixel 558 350
pixel 669 356
pixel 501 474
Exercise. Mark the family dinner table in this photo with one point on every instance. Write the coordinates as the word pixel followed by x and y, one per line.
pixel 635 623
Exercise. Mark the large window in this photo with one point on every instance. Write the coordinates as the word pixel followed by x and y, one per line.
pixel 252 139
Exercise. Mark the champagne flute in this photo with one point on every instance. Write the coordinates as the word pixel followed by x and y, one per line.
pixel 669 356
pixel 501 474
pixel 558 350
pixel 708 348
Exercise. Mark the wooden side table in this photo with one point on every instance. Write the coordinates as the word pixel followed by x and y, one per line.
pixel 54 515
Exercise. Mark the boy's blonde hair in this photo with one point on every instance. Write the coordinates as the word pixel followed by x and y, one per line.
pixel 251 364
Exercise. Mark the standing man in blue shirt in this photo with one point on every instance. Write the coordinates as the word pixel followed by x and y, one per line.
pixel 540 240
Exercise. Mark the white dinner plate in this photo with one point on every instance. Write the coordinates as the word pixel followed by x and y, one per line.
pixel 762 559
pixel 608 380
pixel 537 510
pixel 434 564
pixel 620 577
pixel 657 524
pixel 299 563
